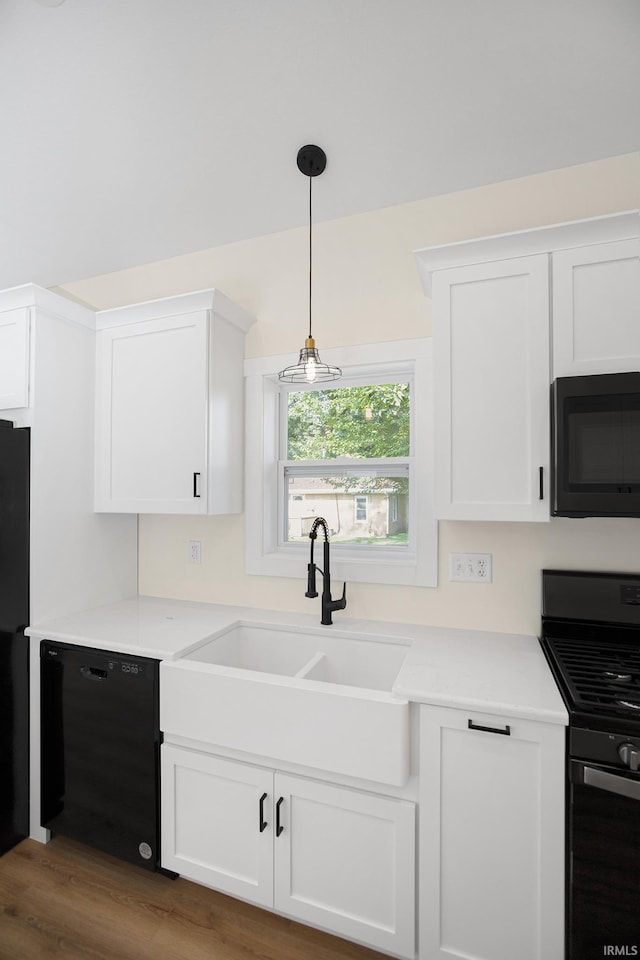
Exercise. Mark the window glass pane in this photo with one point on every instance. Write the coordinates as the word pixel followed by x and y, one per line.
pixel 371 421
pixel 357 509
pixel 361 508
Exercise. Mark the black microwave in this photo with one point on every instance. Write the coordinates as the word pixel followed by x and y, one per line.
pixel 595 452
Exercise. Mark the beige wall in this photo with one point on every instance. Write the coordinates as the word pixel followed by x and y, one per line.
pixel 366 289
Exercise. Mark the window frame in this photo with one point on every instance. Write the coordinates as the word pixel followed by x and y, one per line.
pixel 356 498
pixel 267 554
pixel 391 466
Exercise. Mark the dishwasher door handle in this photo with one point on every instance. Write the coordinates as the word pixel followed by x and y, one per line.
pixel 93 673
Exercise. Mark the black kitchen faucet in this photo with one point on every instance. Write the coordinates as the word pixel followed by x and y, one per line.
pixel 328 605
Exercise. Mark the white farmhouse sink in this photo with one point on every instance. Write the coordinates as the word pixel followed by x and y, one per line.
pixel 329 658
pixel 314 697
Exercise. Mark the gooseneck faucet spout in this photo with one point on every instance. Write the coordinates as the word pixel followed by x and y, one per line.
pixel 328 604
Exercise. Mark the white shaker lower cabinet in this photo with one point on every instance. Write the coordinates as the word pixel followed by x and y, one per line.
pixel 491 378
pixel 345 860
pixel 210 820
pixel 169 406
pixel 491 837
pixel 333 857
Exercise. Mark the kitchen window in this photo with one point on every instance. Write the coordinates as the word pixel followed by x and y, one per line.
pixel 356 452
pixel 345 451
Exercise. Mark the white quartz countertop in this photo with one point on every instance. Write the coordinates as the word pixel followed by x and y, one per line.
pixel 469 669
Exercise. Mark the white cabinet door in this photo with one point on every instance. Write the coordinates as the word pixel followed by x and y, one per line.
pixel 596 304
pixel 345 861
pixel 492 838
pixel 491 375
pixel 152 416
pixel 339 859
pixel 217 823
pixel 14 359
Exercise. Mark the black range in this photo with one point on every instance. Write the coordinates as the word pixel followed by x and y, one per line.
pixel 591 637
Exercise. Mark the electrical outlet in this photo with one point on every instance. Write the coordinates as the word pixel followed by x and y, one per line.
pixel 193 551
pixel 470 567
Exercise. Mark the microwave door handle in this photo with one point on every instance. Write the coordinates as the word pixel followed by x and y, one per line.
pixel 612 783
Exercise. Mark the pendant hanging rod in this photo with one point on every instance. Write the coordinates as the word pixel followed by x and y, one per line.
pixel 310 253
pixel 311 162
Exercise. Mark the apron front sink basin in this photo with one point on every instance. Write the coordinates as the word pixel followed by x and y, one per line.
pixel 313 697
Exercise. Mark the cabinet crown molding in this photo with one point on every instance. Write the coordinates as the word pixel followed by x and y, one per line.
pixel 31 295
pixel 525 243
pixel 211 299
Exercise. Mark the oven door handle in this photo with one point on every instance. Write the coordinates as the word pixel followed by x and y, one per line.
pixel 612 783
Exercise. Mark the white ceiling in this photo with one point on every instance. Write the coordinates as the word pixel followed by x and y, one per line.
pixel 135 130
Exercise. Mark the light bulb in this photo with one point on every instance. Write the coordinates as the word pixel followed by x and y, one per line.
pixel 310 370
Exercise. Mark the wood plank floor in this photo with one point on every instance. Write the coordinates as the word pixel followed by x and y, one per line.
pixel 64 900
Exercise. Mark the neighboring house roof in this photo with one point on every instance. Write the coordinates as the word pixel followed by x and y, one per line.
pixel 320 487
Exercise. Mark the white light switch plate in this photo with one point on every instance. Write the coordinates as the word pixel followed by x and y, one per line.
pixel 470 567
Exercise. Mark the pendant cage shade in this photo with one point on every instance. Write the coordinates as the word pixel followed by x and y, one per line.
pixel 309 368
pixel 311 162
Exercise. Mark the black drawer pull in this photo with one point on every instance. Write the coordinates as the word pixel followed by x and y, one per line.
pixel 476 726
pixel 263 822
pixel 92 673
pixel 196 478
pixel 540 483
pixel 279 827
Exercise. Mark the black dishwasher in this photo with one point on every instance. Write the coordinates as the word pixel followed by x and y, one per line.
pixel 100 743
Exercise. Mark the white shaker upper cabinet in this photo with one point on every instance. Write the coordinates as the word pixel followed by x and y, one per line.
pixel 491 377
pixel 14 359
pixel 596 309
pixel 491 350
pixel 169 406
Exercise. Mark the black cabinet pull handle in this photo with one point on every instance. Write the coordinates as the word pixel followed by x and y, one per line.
pixel 476 726
pixel 279 827
pixel 263 822
pixel 540 483
pixel 196 477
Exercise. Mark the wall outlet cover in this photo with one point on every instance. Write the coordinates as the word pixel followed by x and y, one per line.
pixel 193 551
pixel 470 567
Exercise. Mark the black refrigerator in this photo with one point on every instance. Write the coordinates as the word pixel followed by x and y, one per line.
pixel 14 646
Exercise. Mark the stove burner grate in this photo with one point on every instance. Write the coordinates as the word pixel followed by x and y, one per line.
pixel 603 677
pixel 614 677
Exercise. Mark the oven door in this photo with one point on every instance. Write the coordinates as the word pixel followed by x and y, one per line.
pixel 596 445
pixel 604 864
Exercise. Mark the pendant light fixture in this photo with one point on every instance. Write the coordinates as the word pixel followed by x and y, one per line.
pixel 310 369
